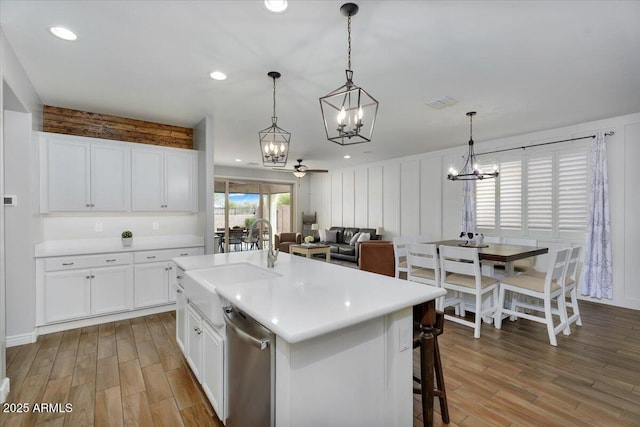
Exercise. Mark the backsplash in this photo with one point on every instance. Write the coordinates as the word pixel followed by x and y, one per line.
pixel 58 227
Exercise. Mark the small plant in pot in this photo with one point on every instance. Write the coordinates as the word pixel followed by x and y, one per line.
pixel 127 238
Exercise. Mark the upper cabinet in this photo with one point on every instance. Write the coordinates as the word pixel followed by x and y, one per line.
pixel 89 174
pixel 78 174
pixel 164 179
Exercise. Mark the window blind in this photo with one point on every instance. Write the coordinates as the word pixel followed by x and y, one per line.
pixel 539 210
pixel 510 182
pixel 572 192
pixel 486 202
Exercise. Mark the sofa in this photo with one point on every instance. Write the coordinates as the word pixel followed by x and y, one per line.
pixel 282 241
pixel 341 248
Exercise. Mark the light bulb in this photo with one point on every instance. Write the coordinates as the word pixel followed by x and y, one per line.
pixel 271 146
pixel 341 115
pixel 282 148
pixel 360 113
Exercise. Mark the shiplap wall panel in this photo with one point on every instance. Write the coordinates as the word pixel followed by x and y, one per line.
pixel 409 198
pixel 348 202
pixel 430 197
pixel 325 208
pixel 93 125
pixel 451 208
pixel 336 199
pixel 375 199
pixel 361 196
pixel 391 196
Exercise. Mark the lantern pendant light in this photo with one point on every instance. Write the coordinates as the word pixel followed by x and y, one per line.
pixel 470 171
pixel 349 112
pixel 274 141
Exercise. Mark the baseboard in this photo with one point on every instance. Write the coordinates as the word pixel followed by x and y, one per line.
pixel 64 326
pixel 4 389
pixel 22 339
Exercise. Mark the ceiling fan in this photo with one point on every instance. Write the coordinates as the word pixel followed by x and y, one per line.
pixel 301 170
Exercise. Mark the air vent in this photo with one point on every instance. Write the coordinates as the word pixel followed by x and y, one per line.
pixel 440 103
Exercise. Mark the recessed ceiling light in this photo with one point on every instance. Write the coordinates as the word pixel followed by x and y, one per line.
pixel 346 156
pixel 238 160
pixel 218 75
pixel 276 6
pixel 63 33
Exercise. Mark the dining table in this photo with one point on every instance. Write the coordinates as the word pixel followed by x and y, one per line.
pixel 499 252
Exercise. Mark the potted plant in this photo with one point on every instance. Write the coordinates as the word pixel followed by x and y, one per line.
pixel 309 239
pixel 127 238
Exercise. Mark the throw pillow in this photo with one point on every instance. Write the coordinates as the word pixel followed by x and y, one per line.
pixel 323 235
pixel 364 237
pixel 331 236
pixel 354 239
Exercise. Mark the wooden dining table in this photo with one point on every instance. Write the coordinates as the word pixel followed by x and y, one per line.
pixel 500 252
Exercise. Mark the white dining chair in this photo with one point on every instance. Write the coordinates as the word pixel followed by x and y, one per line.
pixel 547 289
pixel 460 273
pixel 400 255
pixel 423 267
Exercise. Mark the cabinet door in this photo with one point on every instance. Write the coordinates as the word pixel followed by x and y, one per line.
pixel 180 180
pixel 213 368
pixel 68 175
pixel 111 289
pixel 151 285
pixel 110 177
pixel 147 180
pixel 194 341
pixel 181 317
pixel 67 295
pixel 173 281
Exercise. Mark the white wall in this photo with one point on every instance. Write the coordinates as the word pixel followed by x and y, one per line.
pixel 411 195
pixel 203 142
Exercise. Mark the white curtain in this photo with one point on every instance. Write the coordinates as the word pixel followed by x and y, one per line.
pixel 468 206
pixel 597 275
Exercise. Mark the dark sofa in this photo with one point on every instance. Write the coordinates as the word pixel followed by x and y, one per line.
pixel 342 249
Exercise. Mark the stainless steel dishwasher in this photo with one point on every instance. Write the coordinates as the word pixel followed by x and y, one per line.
pixel 251 375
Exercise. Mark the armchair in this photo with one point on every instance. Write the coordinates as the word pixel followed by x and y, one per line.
pixel 282 241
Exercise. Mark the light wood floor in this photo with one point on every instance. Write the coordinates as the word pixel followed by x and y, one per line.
pixel 132 373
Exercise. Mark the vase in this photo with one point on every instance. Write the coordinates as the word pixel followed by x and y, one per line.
pixel 127 241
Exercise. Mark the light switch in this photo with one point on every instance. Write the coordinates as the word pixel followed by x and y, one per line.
pixel 155 225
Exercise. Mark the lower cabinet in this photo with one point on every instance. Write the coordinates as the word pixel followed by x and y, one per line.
pixel 81 293
pixel 181 317
pixel 152 283
pixel 204 351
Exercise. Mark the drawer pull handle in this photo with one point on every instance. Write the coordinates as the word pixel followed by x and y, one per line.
pixel 151 257
pixel 88 205
pixel 93 277
pixel 166 269
pixel 179 277
pixel 88 277
pixel 184 254
pixel 111 260
pixel 197 330
pixel 170 268
pixel 67 263
pixel 179 291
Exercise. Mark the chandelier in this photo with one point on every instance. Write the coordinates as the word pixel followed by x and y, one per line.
pixel 470 170
pixel 274 141
pixel 349 112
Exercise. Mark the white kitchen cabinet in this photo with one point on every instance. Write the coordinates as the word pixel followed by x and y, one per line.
pixel 152 284
pixel 67 295
pixel 181 317
pixel 111 289
pixel 164 179
pixel 204 351
pixel 84 174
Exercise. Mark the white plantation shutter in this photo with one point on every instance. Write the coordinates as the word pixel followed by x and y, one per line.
pixel 572 192
pixel 540 193
pixel 510 182
pixel 486 202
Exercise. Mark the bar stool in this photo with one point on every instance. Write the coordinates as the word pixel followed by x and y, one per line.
pixel 425 335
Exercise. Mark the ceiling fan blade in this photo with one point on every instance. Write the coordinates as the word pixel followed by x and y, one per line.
pixel 317 170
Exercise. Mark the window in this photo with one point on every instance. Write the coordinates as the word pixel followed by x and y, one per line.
pixel 539 194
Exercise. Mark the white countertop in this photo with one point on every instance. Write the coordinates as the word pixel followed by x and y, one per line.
pixel 309 297
pixel 96 246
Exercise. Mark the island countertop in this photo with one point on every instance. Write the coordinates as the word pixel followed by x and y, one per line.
pixel 306 298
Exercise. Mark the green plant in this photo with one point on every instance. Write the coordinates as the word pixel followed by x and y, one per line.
pixel 127 234
pixel 248 222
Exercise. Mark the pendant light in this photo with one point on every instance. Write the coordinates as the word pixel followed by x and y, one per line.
pixel 349 112
pixel 470 170
pixel 274 141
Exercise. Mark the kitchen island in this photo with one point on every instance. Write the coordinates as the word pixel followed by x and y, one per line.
pixel 343 337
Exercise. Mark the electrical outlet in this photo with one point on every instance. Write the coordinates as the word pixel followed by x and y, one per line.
pixel 98 227
pixel 155 225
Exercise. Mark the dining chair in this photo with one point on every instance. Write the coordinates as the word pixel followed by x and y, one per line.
pixel 400 255
pixel 488 266
pixel 545 289
pixel 235 238
pixel 570 285
pixel 521 265
pixel 422 265
pixel 460 273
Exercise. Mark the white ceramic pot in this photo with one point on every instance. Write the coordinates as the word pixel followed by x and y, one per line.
pixel 127 241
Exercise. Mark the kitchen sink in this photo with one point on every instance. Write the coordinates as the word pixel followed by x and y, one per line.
pixel 200 285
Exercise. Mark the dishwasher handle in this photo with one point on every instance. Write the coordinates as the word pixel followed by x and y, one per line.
pixel 261 343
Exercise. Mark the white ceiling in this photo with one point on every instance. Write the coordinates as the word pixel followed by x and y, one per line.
pixel 523 65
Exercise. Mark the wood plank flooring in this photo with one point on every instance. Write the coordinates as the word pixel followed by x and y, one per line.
pixel 132 373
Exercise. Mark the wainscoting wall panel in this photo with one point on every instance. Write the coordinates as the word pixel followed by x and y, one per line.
pixel 391 197
pixel 376 198
pixel 410 197
pixel 348 199
pixel 361 195
pixel 336 199
pixel 430 197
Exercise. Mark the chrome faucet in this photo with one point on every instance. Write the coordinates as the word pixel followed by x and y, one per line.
pixel 271 255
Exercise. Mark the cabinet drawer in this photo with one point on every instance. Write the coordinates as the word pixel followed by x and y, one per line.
pixel 88 261
pixel 164 254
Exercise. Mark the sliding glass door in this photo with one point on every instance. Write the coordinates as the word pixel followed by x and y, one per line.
pixel 237 204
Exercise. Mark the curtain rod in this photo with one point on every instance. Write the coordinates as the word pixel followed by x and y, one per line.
pixel 543 143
